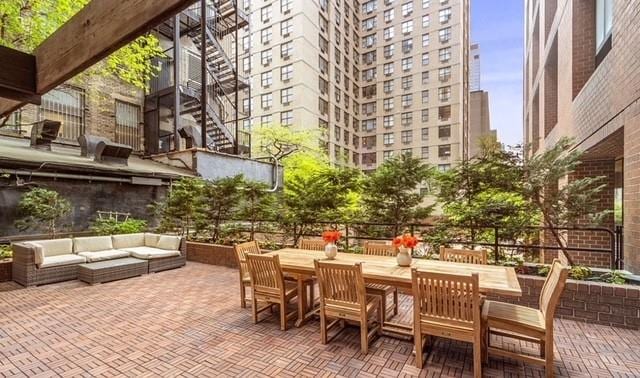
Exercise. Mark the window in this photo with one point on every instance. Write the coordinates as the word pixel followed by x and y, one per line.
pixel 425 40
pixel 387 155
pixel 387 121
pixel 338 95
pixel 407 82
pixel 266 78
pixel 286 95
pixel 407 100
pixel 444 94
pixel 406 118
pixel 266 57
pixel 285 6
pixel 444 15
pixel 369 91
pixel 286 118
pixel 387 86
pixel 336 133
pixel 246 64
pixel 369 24
pixel 406 151
pixel 266 120
pixel 266 100
pixel 444 74
pixel 265 13
pixel 406 136
pixel 425 21
pixel 388 33
pixel 407 63
pixel 444 54
pixel 425 77
pixel 444 113
pixel 246 42
pixel 604 22
pixel 323 44
pixel 286 49
pixel 369 41
pixel 323 85
pixel 407 27
pixel 425 115
pixel 387 69
pixel 387 139
pixel 444 131
pixel 286 72
pixel 425 96
pixel 389 15
pixel 407 9
pixel 128 125
pixel 368 125
pixel 369 6
pixel 444 167
pixel 425 59
pixel 407 45
pixel 265 35
pixel 444 35
pixel 425 4
pixel 424 133
pixel 323 65
pixel 369 158
pixel 369 108
pixel 323 107
pixel 387 104
pixel 286 27
pixel 444 150
pixel 370 57
pixel 424 153
pixel 388 51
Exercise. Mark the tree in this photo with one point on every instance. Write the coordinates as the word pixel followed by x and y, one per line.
pixel 566 205
pixel 42 207
pixel 392 192
pixel 222 197
pixel 282 141
pixel 183 206
pixel 258 204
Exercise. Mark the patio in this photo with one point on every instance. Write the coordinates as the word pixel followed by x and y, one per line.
pixel 188 322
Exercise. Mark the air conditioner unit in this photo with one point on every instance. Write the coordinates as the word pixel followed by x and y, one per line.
pixel 286 57
pixel 286 35
pixel 287 11
pixel 286 103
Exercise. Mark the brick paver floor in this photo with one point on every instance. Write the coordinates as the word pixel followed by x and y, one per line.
pixel 188 322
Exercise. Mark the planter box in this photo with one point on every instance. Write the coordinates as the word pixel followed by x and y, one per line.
pixel 213 254
pixel 590 302
pixel 5 270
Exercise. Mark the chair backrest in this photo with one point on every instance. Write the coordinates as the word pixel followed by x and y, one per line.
pixel 446 299
pixel 312 244
pixel 265 273
pixel 379 249
pixel 552 289
pixel 466 256
pixel 341 285
pixel 241 251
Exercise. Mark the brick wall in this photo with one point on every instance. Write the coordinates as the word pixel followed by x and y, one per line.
pixel 212 254
pixel 584 43
pixel 590 302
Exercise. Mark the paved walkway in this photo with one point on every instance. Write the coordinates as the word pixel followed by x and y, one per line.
pixel 188 322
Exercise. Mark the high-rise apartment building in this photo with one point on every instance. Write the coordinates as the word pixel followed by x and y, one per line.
pixel 474 67
pixel 379 77
pixel 479 117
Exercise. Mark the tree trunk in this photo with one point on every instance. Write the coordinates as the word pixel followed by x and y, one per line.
pixel 554 232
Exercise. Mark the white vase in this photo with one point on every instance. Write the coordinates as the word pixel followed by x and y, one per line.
pixel 404 256
pixel 331 251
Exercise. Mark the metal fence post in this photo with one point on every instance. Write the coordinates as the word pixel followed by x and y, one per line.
pixel 496 253
pixel 346 237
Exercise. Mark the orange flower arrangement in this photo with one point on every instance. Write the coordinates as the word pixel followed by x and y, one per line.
pixel 331 236
pixel 406 240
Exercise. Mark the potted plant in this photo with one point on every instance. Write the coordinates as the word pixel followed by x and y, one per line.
pixel 5 263
pixel 405 243
pixel 331 237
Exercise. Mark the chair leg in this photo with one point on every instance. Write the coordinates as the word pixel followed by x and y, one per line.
pixel 312 296
pixel 254 309
pixel 477 356
pixel 548 357
pixel 364 336
pixel 243 295
pixel 395 302
pixel 417 338
pixel 383 306
pixel 283 316
pixel 323 328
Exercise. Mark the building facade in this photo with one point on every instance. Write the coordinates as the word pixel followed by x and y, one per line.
pixel 378 77
pixel 479 116
pixel 581 82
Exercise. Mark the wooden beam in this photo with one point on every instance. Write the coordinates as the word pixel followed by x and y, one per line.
pixel 97 30
pixel 18 75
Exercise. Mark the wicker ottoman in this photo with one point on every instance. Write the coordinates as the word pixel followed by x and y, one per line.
pixel 111 270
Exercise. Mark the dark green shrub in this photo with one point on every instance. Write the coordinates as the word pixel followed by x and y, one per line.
pixel 111 226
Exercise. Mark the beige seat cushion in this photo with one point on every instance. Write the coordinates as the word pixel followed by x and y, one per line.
pixel 169 242
pixel 148 253
pixel 127 241
pixel 54 247
pixel 104 255
pixel 60 260
pixel 92 244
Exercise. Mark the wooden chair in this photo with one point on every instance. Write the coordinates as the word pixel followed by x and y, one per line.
pixel 312 244
pixel 343 297
pixel 447 305
pixel 525 323
pixel 381 249
pixel 269 286
pixel 241 251
pixel 467 256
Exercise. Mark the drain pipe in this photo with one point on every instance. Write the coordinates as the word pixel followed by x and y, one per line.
pixel 275 188
pixel 17 172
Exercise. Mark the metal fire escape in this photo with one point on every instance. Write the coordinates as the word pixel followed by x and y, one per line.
pixel 212 27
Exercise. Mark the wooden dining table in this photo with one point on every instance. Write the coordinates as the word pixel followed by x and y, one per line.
pixel 493 279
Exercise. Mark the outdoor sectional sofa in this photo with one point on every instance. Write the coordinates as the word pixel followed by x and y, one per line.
pixel 46 261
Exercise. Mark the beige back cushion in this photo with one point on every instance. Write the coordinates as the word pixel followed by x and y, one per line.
pixel 55 247
pixel 92 244
pixel 151 240
pixel 127 240
pixel 169 242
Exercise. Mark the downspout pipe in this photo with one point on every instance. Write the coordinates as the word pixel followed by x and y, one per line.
pixel 18 172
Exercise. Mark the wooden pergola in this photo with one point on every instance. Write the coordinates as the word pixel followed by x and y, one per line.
pixel 97 30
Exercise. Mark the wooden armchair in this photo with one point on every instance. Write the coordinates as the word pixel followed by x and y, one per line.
pixel 312 244
pixel 467 256
pixel 343 297
pixel 525 323
pixel 381 249
pixel 241 251
pixel 269 286
pixel 447 305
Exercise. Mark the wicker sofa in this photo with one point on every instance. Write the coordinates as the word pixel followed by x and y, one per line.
pixel 46 261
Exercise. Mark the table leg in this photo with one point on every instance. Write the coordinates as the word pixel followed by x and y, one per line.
pixel 302 301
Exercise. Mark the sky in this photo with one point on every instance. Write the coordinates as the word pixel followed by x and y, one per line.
pixel 498 27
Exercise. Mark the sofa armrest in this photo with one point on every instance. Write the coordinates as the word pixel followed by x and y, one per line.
pixel 24 254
